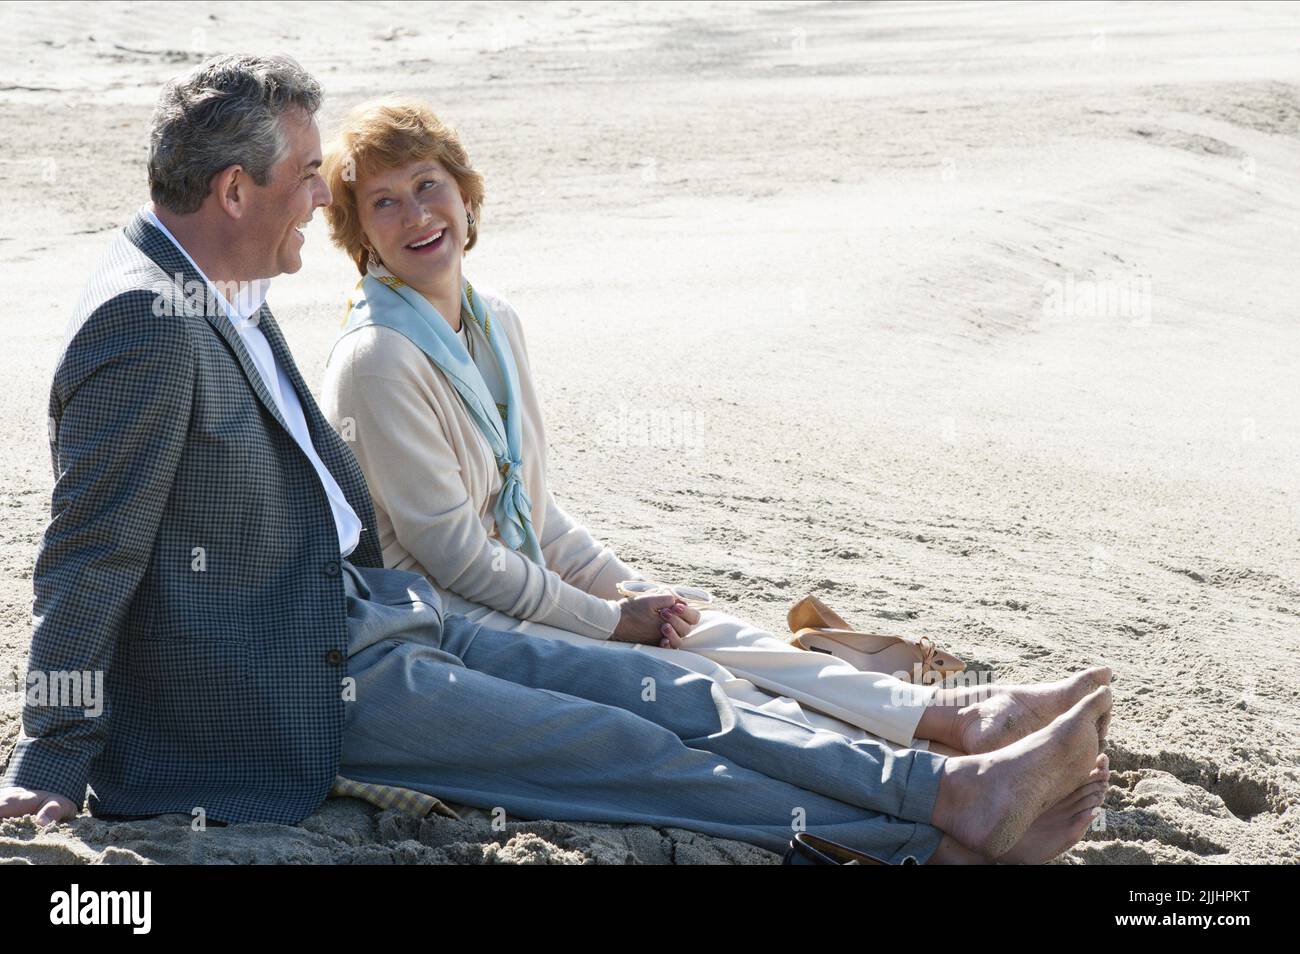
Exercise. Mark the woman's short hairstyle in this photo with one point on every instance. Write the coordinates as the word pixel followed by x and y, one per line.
pixel 387 134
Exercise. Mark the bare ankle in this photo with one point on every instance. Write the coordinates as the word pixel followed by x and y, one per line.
pixel 936 724
pixel 953 852
pixel 939 720
pixel 954 796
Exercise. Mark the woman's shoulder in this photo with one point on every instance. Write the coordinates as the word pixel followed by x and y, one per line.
pixel 376 351
pixel 502 311
pixel 497 302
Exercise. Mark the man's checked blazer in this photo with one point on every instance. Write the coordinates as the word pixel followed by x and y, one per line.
pixel 192 557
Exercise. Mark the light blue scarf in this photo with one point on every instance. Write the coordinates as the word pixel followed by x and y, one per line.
pixel 383 299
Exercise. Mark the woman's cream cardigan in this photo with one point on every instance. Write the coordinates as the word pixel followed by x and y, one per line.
pixel 434 483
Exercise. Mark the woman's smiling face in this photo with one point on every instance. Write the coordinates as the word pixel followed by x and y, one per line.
pixel 415 218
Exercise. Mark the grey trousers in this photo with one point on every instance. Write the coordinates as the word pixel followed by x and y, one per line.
pixel 544 729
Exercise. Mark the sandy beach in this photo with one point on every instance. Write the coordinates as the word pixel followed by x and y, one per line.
pixel 977 320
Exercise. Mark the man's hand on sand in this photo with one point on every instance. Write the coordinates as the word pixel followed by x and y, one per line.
pixel 46 806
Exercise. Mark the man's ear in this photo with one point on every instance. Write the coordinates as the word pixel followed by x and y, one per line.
pixel 230 186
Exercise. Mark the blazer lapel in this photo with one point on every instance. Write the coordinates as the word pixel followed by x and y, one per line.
pixel 323 436
pixel 170 259
pixel 227 330
pixel 333 452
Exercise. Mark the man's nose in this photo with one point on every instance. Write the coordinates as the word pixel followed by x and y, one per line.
pixel 323 195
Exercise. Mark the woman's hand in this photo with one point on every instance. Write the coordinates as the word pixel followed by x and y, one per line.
pixel 658 618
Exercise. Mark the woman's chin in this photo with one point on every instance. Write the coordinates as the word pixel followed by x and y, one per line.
pixel 419 273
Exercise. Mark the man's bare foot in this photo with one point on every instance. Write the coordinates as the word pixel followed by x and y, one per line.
pixel 1052 832
pixel 938 748
pixel 996 716
pixel 953 852
pixel 1064 823
pixel 989 801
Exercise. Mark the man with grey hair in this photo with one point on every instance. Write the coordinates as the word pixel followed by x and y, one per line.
pixel 211 552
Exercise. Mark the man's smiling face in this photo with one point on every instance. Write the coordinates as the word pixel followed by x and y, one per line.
pixel 278 211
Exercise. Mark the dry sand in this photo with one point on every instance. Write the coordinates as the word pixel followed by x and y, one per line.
pixel 788 275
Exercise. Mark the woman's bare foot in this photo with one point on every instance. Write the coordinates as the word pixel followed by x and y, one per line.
pixel 1064 823
pixel 981 719
pixel 989 801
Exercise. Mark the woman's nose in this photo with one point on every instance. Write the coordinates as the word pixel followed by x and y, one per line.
pixel 415 214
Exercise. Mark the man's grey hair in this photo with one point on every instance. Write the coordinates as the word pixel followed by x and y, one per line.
pixel 225 112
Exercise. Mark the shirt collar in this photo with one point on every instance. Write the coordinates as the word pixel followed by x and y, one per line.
pixel 250 296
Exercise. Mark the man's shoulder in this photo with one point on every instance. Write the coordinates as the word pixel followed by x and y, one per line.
pixel 127 301
pixel 121 269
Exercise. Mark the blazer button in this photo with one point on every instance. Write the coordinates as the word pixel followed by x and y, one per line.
pixel 334 657
pixel 331 568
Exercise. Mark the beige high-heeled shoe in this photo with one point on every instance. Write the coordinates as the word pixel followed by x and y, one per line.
pixel 818 628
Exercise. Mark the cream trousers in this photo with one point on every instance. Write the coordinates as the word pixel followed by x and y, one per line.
pixel 758 668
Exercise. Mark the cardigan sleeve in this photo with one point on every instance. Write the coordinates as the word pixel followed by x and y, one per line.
pixel 569 548
pixel 579 558
pixel 414 475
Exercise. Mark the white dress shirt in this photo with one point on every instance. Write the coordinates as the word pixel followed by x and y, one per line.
pixel 252 295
